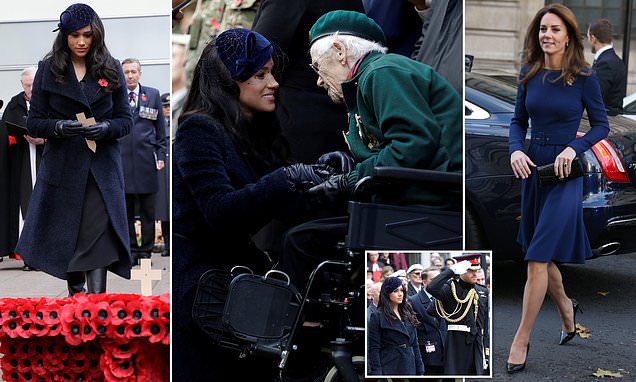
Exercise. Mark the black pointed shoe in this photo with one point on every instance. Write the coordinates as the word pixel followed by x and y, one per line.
pixel 517 367
pixel 566 337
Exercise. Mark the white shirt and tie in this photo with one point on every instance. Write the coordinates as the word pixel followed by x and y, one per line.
pixel 133 97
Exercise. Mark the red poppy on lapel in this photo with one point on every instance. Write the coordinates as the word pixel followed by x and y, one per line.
pixel 143 97
pixel 102 82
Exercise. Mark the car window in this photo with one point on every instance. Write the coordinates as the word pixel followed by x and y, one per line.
pixel 493 87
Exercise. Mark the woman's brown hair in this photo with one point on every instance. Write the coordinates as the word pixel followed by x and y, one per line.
pixel 573 58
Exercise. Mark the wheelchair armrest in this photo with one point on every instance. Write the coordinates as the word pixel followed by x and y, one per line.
pixel 407 176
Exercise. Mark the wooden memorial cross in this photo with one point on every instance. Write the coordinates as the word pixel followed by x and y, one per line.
pixel 81 118
pixel 146 275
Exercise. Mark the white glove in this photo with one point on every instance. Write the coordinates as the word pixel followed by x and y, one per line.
pixel 461 267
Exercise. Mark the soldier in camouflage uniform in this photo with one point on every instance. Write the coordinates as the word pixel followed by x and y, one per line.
pixel 212 17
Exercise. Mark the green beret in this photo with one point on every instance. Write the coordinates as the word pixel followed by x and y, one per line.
pixel 347 23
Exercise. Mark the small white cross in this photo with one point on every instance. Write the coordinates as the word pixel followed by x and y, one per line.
pixel 81 117
pixel 146 275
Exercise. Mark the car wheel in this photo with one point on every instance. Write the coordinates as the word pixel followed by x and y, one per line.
pixel 474 235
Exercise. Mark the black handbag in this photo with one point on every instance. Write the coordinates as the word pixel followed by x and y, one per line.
pixel 548 177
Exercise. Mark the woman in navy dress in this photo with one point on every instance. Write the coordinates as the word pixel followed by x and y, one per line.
pixel 392 338
pixel 555 85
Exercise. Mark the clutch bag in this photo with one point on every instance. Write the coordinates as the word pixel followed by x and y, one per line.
pixel 547 176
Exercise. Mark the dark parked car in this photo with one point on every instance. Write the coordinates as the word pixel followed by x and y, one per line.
pixel 493 194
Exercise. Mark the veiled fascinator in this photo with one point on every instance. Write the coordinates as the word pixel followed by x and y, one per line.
pixel 76 16
pixel 244 52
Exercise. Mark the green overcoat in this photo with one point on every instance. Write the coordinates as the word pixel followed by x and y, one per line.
pixel 404 114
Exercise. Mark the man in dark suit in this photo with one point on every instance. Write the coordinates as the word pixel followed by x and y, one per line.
pixel 24 157
pixel 609 68
pixel 432 330
pixel 142 153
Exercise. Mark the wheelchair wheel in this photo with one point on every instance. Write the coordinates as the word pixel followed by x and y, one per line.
pixel 358 364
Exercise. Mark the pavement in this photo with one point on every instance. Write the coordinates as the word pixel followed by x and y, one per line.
pixel 14 282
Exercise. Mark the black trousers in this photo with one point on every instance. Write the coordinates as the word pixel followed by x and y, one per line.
pixel 141 207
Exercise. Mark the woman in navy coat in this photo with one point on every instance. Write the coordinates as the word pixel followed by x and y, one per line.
pixel 76 227
pixel 230 178
pixel 556 85
pixel 393 348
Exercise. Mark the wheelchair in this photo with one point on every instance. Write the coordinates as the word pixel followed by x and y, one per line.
pixel 260 316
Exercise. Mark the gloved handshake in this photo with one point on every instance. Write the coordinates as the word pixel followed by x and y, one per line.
pixel 302 176
pixel 67 128
pixel 326 180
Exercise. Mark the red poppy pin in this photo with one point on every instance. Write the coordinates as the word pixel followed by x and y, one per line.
pixel 102 82
pixel 143 97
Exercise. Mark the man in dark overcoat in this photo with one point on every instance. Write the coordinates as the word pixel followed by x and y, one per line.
pixel 143 153
pixel 431 332
pixel 52 226
pixel 24 156
pixel 610 69
pixel 464 306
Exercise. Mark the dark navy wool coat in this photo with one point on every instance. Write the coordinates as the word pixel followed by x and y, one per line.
pixel 52 224
pixel 431 331
pixel 145 144
pixel 217 204
pixel 387 353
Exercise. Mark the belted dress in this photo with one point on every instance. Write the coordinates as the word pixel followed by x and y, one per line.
pixel 552 226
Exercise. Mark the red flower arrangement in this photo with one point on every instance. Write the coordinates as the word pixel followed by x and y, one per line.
pixel 99 337
pixel 102 82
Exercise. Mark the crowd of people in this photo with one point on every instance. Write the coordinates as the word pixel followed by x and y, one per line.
pixel 421 286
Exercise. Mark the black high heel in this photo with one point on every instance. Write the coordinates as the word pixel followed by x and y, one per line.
pixel 517 367
pixel 566 337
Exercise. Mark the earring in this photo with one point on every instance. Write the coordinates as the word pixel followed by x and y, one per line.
pixel 566 44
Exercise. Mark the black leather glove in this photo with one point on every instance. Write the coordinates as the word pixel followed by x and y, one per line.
pixel 340 161
pixel 68 128
pixel 303 176
pixel 97 131
pixel 333 189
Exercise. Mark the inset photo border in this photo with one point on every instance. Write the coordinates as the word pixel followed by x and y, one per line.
pixel 428 314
